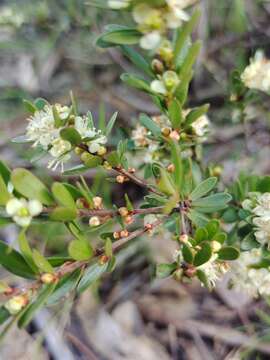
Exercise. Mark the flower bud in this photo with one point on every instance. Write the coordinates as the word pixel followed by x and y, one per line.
pixel 120 179
pixel 217 171
pixel 174 135
pixel 78 151
pixel 166 131
pixel 191 272
pixel 123 211
pixel 178 274
pixel 157 66
pixel 85 156
pixel 166 53
pixel 131 170
pixel 170 79
pixel 48 278
pixel 116 235
pixel 183 136
pixel 16 304
pixel 102 151
pixel 103 259
pixel 128 220
pixel 216 246
pixel 171 168
pixel 183 238
pixel 124 233
pixel 97 200
pixel 94 221
pixel 107 166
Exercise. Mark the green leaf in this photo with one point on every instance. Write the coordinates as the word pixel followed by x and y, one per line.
pixel 212 228
pixel 29 106
pixel 147 122
pixel 228 253
pixel 181 91
pixel 201 234
pixel 108 248
pixel 264 184
pixel 165 183
pixel 36 305
pixel 129 205
pixel 13 261
pixel 137 82
pixel 220 237
pixel 190 59
pixel 203 278
pixel 187 254
pixel 64 286
pixel 80 250
pixel 30 186
pixel 197 218
pixel 113 158
pixel 203 255
pixel 4 315
pixel 178 173
pixel 40 103
pixel 175 114
pixel 138 60
pixel 92 161
pixel 195 114
pixel 91 275
pixel 56 261
pixel 212 203
pixel 5 171
pixel 183 34
pixel 62 195
pixel 165 270
pixel 4 194
pixel 26 251
pixel 76 170
pixel 58 122
pixel 125 36
pixel 63 214
pixel 71 135
pixel 249 242
pixel 41 262
pixel 110 124
pixel 203 188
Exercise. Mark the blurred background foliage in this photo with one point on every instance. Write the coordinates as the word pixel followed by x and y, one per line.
pixel 47 48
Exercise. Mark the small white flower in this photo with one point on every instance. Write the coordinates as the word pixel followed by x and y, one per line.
pixel 151 40
pixel 139 136
pixel 118 4
pixel 252 281
pixel 213 269
pixel 95 145
pixel 257 74
pixel 22 210
pixel 158 87
pixel 177 15
pixel 201 125
pixel 41 128
pixel 82 126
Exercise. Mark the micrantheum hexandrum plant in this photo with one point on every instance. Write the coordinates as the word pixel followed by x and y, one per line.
pixel 217 230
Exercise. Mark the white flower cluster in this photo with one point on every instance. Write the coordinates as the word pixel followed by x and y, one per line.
pixel 259 205
pixel 22 211
pixel 214 270
pixel 42 131
pixel 257 74
pixel 244 278
pixel 8 16
pixel 154 22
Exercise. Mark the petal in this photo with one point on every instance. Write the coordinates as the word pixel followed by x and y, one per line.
pixel 35 207
pixel 13 206
pixel 22 221
pixel 158 87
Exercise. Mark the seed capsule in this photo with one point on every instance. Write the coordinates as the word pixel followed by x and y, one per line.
pixel 128 220
pixel 103 259
pixel 116 235
pixel 174 135
pixel 166 131
pixel 183 238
